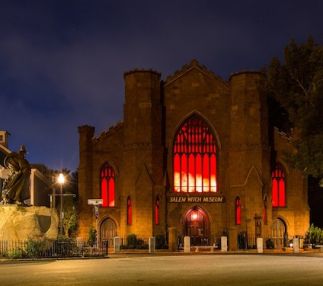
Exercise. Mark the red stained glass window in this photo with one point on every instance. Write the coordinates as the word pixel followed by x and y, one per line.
pixel 157 211
pixel 107 177
pixel 129 211
pixel 238 211
pixel 194 157
pixel 278 187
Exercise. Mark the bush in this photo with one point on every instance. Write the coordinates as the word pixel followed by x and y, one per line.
pixel 132 241
pixel 270 243
pixel 141 244
pixel 242 240
pixel 67 246
pixel 314 235
pixel 91 236
pixel 16 253
pixel 161 242
pixel 35 248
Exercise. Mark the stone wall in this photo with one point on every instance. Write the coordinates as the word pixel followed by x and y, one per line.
pixel 140 151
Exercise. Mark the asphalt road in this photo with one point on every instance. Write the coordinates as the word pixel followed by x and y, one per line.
pixel 169 270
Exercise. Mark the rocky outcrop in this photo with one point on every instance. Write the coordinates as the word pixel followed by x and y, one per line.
pixel 22 223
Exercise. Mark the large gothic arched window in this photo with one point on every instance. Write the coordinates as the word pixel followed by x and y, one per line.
pixel 194 157
pixel 107 178
pixel 278 186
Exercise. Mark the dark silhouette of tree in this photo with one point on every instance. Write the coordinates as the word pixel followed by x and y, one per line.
pixel 296 83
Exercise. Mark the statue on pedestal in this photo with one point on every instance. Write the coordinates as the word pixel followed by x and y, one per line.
pixel 18 177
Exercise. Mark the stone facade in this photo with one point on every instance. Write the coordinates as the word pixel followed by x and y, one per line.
pixel 140 150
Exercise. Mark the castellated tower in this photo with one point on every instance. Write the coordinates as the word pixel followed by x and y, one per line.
pixel 143 151
pixel 249 157
pixel 85 174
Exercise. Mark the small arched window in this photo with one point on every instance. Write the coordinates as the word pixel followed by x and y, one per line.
pixel 238 211
pixel 194 157
pixel 107 178
pixel 278 186
pixel 157 211
pixel 129 211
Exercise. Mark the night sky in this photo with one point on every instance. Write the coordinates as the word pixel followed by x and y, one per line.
pixel 62 62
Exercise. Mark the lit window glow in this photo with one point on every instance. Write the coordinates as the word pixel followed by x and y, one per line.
pixel 278 187
pixel 107 186
pixel 194 216
pixel 194 157
pixel 238 211
pixel 129 211
pixel 157 211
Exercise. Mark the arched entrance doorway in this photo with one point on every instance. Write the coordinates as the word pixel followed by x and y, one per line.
pixel 279 233
pixel 197 226
pixel 108 230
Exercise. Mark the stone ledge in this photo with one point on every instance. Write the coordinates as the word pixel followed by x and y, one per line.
pixel 22 223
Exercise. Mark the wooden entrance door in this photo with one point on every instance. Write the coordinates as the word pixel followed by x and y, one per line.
pixel 279 233
pixel 108 231
pixel 197 227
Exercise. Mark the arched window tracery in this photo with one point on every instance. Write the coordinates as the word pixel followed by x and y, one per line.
pixel 278 180
pixel 194 157
pixel 107 178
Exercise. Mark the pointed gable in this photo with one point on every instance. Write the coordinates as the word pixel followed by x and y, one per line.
pixel 194 65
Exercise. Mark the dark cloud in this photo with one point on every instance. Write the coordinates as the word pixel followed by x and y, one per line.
pixel 62 62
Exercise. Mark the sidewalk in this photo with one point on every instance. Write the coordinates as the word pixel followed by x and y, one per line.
pixel 141 253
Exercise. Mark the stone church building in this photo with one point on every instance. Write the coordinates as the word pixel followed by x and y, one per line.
pixel 193 156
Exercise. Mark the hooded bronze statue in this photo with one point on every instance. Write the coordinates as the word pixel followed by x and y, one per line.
pixel 18 179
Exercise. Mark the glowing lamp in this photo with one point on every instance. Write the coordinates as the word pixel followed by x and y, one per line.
pixel 194 216
pixel 61 179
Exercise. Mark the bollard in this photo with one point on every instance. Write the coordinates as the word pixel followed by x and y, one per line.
pixel 260 245
pixel 117 243
pixel 187 244
pixel 152 244
pixel 296 244
pixel 224 243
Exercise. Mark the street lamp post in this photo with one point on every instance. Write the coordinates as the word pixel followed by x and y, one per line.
pixel 61 181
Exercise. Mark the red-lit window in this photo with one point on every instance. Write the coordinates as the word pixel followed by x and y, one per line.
pixel 238 210
pixel 278 186
pixel 129 211
pixel 194 157
pixel 107 185
pixel 157 211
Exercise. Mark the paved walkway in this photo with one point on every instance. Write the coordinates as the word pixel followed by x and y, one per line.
pixel 182 270
pixel 143 253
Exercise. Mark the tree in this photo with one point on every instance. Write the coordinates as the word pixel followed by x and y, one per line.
pixel 70 221
pixel 296 83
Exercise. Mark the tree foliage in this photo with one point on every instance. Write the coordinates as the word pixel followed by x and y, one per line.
pixel 297 84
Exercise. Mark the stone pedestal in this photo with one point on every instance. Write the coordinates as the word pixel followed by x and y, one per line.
pixel 187 244
pixel 224 243
pixel 23 223
pixel 296 245
pixel 260 245
pixel 152 244
pixel 116 243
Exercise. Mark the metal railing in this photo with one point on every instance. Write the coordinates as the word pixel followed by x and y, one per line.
pixel 48 249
